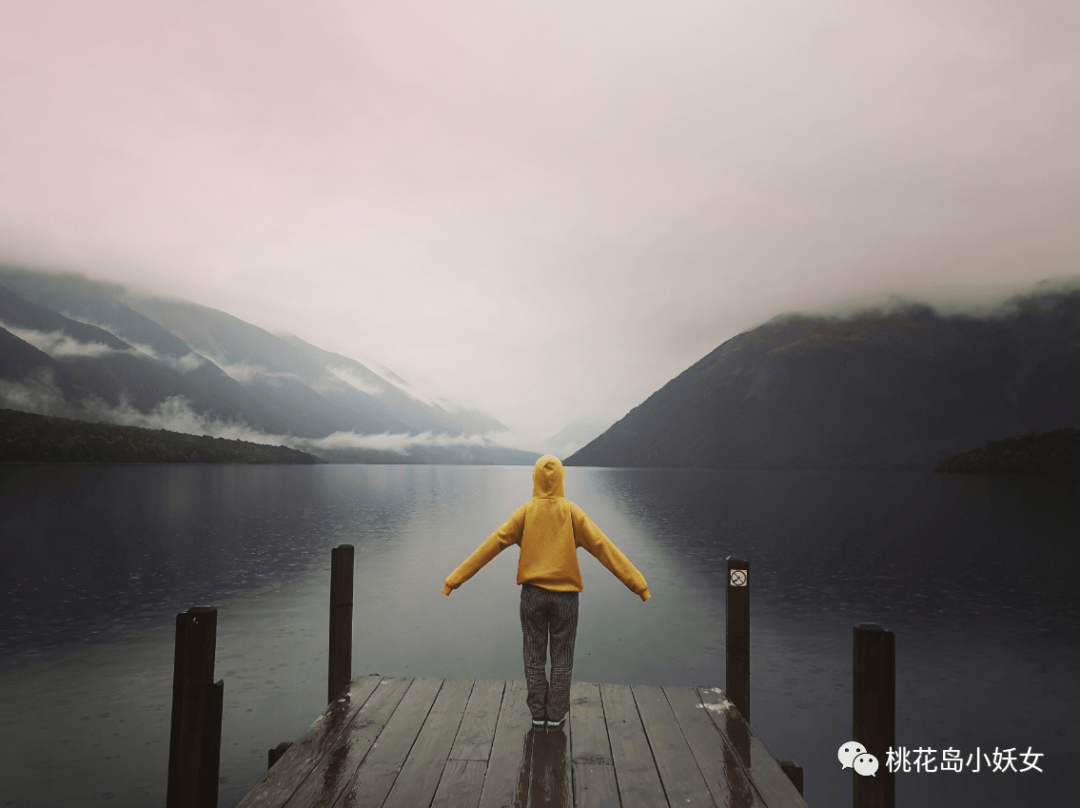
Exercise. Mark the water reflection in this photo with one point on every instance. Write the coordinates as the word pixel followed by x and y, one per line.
pixel 87 550
pixel 911 544
pixel 544 779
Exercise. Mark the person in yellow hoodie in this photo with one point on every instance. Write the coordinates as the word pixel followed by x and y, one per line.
pixel 549 530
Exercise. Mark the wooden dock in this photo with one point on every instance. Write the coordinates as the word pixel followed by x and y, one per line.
pixel 420 743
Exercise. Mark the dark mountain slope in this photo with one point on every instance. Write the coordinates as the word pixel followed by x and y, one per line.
pixel 874 390
pixel 19 360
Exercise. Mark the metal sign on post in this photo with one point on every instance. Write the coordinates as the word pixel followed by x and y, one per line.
pixel 738 577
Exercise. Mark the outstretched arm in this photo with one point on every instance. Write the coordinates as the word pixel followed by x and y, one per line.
pixel 592 538
pixel 509 533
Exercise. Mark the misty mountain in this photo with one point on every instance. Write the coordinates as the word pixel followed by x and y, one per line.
pixel 895 389
pixel 96 303
pixel 575 435
pixel 82 349
pixel 300 392
pixel 41 347
pixel 390 389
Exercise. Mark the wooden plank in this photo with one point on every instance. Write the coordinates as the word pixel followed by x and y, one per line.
pixel 774 787
pixel 724 774
pixel 501 785
pixel 477 731
pixel 546 768
pixel 595 786
pixel 461 784
pixel 278 784
pixel 590 742
pixel 635 770
pixel 376 775
pixel 675 763
pixel 393 741
pixel 420 775
pixel 330 775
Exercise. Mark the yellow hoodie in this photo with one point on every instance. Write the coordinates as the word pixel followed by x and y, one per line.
pixel 549 530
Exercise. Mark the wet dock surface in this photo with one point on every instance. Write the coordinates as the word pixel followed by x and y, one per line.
pixel 465 743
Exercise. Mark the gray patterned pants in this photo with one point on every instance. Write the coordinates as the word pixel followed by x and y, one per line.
pixel 544 615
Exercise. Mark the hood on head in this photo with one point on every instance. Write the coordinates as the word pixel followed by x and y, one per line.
pixel 548 477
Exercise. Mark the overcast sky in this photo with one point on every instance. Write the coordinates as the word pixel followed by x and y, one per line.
pixel 545 209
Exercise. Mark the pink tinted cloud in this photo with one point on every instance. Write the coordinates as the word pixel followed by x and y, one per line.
pixel 416 180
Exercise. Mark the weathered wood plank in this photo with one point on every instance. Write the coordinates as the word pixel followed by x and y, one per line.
pixel 639 784
pixel 595 786
pixel 461 784
pixel 279 783
pixel 675 763
pixel 502 783
pixel 724 774
pixel 274 755
pixel 590 742
pixel 376 775
pixel 331 774
pixel 474 738
pixel 419 776
pixel 774 787
pixel 391 742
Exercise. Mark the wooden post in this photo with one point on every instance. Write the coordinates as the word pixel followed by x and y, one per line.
pixel 794 773
pixel 341 614
pixel 738 634
pixel 195 736
pixel 274 755
pixel 211 758
pixel 874 713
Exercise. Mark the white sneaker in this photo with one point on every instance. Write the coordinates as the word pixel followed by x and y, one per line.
pixel 538 722
pixel 559 723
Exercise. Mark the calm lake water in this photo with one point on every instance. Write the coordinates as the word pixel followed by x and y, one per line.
pixel 978 578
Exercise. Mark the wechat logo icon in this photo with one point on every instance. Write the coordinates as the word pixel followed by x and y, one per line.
pixel 853 755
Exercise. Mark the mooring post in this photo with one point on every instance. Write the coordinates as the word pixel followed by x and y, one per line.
pixel 794 773
pixel 341 614
pixel 274 755
pixel 738 634
pixel 195 734
pixel 210 769
pixel 874 712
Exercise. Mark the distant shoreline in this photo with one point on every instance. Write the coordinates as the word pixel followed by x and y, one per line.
pixel 1055 453
pixel 29 438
